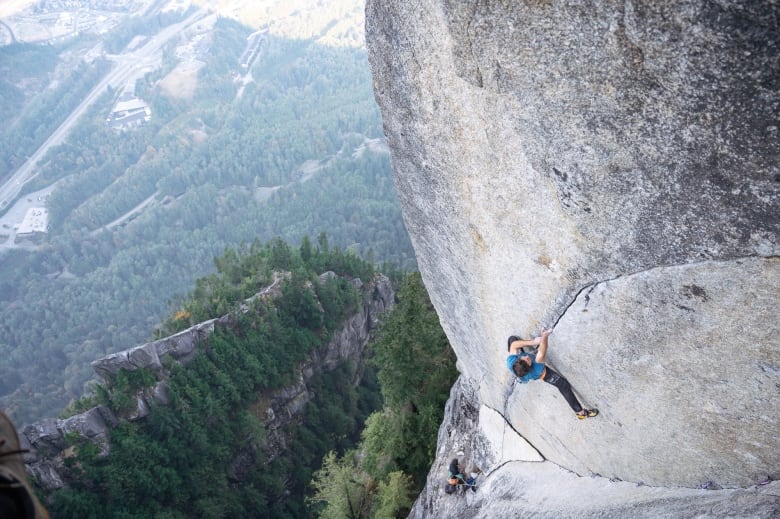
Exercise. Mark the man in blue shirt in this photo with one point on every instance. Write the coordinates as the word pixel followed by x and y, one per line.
pixel 527 366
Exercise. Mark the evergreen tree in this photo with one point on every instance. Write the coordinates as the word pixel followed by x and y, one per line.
pixel 416 369
pixel 205 453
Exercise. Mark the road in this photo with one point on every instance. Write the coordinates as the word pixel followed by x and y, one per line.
pixel 126 65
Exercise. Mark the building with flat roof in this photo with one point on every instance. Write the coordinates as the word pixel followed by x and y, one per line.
pixel 34 224
pixel 128 112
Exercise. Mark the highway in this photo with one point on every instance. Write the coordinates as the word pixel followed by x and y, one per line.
pixel 126 65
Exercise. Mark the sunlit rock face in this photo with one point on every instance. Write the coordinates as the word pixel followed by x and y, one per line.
pixel 609 169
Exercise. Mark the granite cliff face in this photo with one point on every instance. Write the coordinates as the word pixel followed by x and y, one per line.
pixel 610 169
pixel 48 440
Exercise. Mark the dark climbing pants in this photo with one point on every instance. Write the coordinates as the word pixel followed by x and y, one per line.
pixel 557 380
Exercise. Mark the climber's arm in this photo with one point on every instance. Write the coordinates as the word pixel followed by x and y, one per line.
pixel 520 343
pixel 542 352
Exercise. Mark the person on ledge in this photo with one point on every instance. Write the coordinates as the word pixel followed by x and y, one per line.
pixel 529 366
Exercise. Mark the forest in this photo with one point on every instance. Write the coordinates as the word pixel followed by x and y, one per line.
pixel 182 459
pixel 137 216
pixel 25 66
pixel 382 475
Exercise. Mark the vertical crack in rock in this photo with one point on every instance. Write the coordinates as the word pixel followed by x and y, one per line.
pixel 647 362
pixel 503 436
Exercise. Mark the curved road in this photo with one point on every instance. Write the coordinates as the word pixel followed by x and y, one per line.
pixel 126 65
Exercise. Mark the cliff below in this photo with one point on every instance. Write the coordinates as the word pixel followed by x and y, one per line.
pixel 51 441
pixel 610 169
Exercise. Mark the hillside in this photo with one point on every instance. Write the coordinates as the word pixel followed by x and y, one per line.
pixel 289 146
pixel 229 416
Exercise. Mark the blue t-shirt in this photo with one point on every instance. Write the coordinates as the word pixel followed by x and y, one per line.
pixel 537 368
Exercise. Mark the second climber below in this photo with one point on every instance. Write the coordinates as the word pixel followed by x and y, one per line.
pixel 529 366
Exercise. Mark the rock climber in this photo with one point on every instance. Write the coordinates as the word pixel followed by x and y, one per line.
pixel 529 366
pixel 455 478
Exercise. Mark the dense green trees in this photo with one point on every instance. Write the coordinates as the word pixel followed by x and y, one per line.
pixel 208 454
pixel 42 115
pixel 24 68
pixel 205 454
pixel 138 216
pixel 416 369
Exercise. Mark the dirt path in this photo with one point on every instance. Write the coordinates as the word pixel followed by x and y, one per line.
pixel 135 210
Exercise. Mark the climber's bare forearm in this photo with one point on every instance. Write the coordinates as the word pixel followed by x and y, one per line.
pixel 543 343
pixel 520 343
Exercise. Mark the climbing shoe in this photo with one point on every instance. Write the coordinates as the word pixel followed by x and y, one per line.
pixel 587 413
pixel 17 499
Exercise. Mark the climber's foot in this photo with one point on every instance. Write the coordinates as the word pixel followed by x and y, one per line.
pixel 587 413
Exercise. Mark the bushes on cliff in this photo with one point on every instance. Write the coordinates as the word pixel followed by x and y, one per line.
pixel 205 453
pixel 242 272
pixel 416 369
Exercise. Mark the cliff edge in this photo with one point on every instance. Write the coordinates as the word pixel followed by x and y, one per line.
pixel 50 441
pixel 610 169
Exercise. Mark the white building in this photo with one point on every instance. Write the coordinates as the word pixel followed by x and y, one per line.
pixel 36 221
pixel 129 111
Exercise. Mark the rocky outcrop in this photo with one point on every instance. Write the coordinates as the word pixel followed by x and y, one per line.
pixel 180 347
pixel 610 170
pixel 50 441
pixel 348 342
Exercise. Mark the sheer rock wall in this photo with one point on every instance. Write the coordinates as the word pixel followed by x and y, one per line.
pixel 610 169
